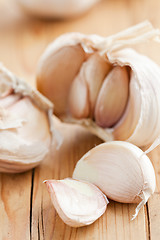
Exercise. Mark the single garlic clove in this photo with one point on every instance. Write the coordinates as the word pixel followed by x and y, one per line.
pixel 78 203
pixel 127 124
pixel 26 128
pixel 121 170
pixel 112 98
pixel 56 73
pixel 56 8
pixel 78 96
pixel 86 86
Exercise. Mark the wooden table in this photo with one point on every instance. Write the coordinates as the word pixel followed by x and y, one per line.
pixel 26 211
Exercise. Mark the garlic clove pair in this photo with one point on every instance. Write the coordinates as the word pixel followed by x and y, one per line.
pixel 25 123
pixel 86 85
pixel 137 119
pixel 56 8
pixel 120 170
pixel 78 203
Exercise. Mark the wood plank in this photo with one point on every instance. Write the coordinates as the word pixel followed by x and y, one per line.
pixel 26 210
pixel 15 206
pixel 154 201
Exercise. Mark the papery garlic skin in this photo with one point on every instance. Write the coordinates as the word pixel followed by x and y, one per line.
pixel 78 203
pixel 121 170
pixel 56 8
pixel 144 114
pixel 26 124
pixel 139 120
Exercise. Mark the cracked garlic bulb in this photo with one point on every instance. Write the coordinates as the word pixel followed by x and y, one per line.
pixel 121 170
pixel 103 85
pixel 56 8
pixel 25 124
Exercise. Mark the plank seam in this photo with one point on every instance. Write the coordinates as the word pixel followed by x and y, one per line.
pixel 42 217
pixel 148 221
pixel 38 230
pixel 31 201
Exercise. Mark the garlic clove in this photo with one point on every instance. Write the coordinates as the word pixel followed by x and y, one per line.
pixel 96 70
pixel 112 98
pixel 78 203
pixel 85 87
pixel 127 124
pixel 56 74
pixel 26 128
pixel 78 97
pixel 121 170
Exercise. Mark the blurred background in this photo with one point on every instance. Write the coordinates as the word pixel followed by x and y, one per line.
pixel 23 38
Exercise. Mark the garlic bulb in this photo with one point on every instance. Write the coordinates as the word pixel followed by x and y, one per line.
pixel 25 124
pixel 101 84
pixel 78 203
pixel 56 8
pixel 121 170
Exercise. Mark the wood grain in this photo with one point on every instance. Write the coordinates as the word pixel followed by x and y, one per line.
pixel 26 211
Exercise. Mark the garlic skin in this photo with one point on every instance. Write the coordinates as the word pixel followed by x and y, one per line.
pixel 78 203
pixel 25 123
pixel 142 114
pixel 121 170
pixel 56 8
pixel 137 120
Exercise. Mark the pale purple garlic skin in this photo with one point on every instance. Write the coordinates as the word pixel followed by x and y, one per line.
pixel 26 124
pixel 78 203
pixel 97 82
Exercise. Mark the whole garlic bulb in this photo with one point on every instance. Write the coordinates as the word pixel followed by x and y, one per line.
pixel 26 128
pixel 78 203
pixel 121 170
pixel 56 8
pixel 101 84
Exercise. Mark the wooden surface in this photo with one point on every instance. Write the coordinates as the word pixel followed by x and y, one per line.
pixel 26 211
